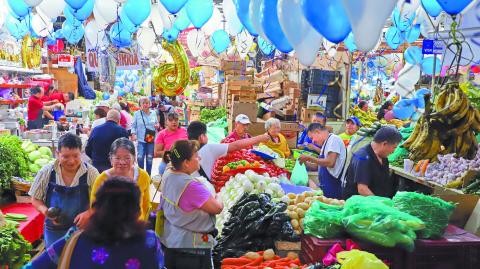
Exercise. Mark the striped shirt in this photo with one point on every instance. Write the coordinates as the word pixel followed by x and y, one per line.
pixel 40 185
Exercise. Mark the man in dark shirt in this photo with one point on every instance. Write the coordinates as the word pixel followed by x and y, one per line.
pixel 101 138
pixel 369 173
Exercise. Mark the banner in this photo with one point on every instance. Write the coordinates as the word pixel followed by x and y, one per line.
pixel 126 58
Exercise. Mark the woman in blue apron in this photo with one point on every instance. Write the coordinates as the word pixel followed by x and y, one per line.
pixel 70 200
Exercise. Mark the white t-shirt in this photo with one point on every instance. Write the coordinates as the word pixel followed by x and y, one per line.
pixel 335 144
pixel 98 122
pixel 209 154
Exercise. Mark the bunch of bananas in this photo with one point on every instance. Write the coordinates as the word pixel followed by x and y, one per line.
pixel 398 123
pixel 367 118
pixel 378 98
pixel 450 128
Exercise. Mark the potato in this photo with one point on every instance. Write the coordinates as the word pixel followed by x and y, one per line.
pixel 252 255
pixel 291 208
pixel 303 206
pixel 320 198
pixel 301 224
pixel 291 196
pixel 292 255
pixel 309 200
pixel 295 224
pixel 298 232
pixel 293 215
pixel 300 198
pixel 268 254
pixel 309 194
pixel 300 212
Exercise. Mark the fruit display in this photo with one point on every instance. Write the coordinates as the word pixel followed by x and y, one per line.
pixel 299 204
pixel 397 123
pixel 262 260
pixel 367 118
pixel 240 165
pixel 472 92
pixel 447 126
pixel 449 170
pixel 289 165
pixel 38 156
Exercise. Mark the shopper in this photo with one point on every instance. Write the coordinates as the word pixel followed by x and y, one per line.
pixel 122 157
pixel 369 172
pixel 331 162
pixel 384 109
pixel 38 112
pixel 123 119
pixel 126 113
pixel 352 125
pixel 363 105
pixel 209 153
pixel 189 210
pixel 163 109
pixel 114 237
pixel 240 131
pixel 65 185
pixel 144 124
pixel 304 142
pixel 101 138
pixel 277 142
pixel 101 109
pixel 167 137
pixel 62 97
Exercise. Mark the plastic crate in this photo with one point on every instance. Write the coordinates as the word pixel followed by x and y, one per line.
pixel 318 77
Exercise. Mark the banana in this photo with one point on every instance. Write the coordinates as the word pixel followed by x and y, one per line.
pixel 476 122
pixel 414 135
pixel 451 106
pixel 465 146
pixel 462 111
pixel 441 100
pixel 463 125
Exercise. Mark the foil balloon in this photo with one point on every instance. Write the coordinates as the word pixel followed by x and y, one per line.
pixel 171 79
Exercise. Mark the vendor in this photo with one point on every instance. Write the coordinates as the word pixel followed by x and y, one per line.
pixel 62 97
pixel 352 125
pixel 38 111
pixel 64 184
pixel 277 142
pixel 363 105
pixel 331 162
pixel 369 172
pixel 242 122
pixel 386 111
pixel 304 142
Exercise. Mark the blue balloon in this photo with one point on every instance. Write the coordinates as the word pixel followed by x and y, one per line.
pixel 19 8
pixel 432 7
pixel 271 26
pixel 413 55
pixel 121 92
pixel 137 10
pixel 199 11
pixel 51 41
pixel 394 37
pixel 17 28
pixel 119 84
pixel 243 9
pixel 173 6
pixel 413 33
pixel 182 21
pixel 171 34
pixel 68 13
pixel 76 4
pixel 427 65
pixel 220 41
pixel 350 42
pixel 328 18
pixel 404 109
pixel 127 24
pixel 402 23
pixel 453 7
pixel 265 46
pixel 58 34
pixel 84 12
pixel 420 101
pixel 120 36
pixel 73 32
pixel 106 96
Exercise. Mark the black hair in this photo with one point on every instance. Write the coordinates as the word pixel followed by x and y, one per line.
pixel 316 126
pixel 387 134
pixel 320 115
pixel 71 96
pixel 100 112
pixel 182 150
pixel 381 113
pixel 35 90
pixel 172 114
pixel 122 143
pixel 116 214
pixel 51 87
pixel 196 129
pixel 361 104
pixel 124 106
pixel 69 141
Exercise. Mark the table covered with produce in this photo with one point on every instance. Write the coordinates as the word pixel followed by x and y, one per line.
pixel 26 218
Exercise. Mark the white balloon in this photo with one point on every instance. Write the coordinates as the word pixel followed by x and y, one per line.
pixel 300 34
pixel 255 18
pixel 407 78
pixel 32 3
pixel 41 26
pixel 167 18
pixel 91 32
pixel 196 42
pixel 100 21
pixel 108 10
pixel 52 8
pixel 332 52
pixel 243 43
pixel 146 38
pixel 157 19
pixel 367 19
pixel 119 1
pixel 214 23
pixel 327 45
pixel 234 25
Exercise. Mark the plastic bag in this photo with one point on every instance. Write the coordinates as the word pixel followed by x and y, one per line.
pixel 356 259
pixel 216 130
pixel 434 211
pixel 323 220
pixel 299 174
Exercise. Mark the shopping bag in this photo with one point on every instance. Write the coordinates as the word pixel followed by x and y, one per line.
pixel 299 174
pixel 356 259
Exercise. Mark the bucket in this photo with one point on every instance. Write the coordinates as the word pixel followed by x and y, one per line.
pixel 57 114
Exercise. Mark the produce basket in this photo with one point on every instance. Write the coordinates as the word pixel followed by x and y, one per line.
pixel 20 185
pixel 298 152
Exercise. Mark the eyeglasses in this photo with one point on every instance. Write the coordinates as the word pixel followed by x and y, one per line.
pixel 121 160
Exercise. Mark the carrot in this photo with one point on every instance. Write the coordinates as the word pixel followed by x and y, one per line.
pixel 235 261
pixel 424 167
pixel 257 261
pixel 418 165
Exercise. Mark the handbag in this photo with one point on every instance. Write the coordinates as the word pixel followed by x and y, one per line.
pixel 149 133
pixel 66 256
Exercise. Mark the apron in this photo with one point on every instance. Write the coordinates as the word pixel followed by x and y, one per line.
pixel 330 185
pixel 71 201
pixel 38 123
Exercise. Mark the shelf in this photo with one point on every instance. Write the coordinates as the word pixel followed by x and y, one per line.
pixel 15 86
pixel 20 70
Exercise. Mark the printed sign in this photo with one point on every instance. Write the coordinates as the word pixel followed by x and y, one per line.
pixel 65 60
pixel 126 58
pixel 433 46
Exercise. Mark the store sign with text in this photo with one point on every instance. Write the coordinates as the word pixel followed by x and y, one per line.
pixel 65 60
pixel 126 58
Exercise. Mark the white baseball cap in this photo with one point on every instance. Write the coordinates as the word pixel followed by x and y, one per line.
pixel 103 104
pixel 243 119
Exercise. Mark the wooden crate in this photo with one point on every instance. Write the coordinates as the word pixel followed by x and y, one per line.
pixel 233 65
pixel 307 114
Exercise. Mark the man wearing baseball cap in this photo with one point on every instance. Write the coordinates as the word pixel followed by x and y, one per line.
pixel 242 122
pixel 352 125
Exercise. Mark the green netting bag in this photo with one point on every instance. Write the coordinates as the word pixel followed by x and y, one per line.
pixel 216 130
pixel 433 211
pixel 399 153
pixel 323 220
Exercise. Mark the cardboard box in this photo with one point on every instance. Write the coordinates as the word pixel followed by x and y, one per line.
pixel 290 126
pixel 257 128
pixel 307 114
pixel 249 109
pixel 233 65
pixel 466 204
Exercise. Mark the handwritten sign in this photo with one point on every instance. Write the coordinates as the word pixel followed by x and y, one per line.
pixel 126 59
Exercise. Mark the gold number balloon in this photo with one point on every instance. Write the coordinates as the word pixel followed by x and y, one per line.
pixel 171 79
pixel 31 52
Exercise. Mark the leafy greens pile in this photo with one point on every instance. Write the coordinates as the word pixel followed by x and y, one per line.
pixel 13 160
pixel 14 248
pixel 210 115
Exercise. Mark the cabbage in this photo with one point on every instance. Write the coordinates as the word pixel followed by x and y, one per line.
pixel 42 162
pixel 30 148
pixel 34 168
pixel 34 155
pixel 45 151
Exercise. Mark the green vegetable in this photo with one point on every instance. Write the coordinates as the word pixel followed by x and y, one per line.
pixel 45 151
pixel 34 168
pixel 210 115
pixel 35 155
pixel 42 162
pixel 14 248
pixel 13 160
